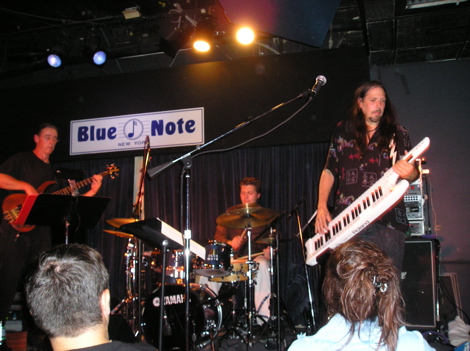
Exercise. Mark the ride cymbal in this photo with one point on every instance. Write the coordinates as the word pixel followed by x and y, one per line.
pixel 244 215
pixel 118 222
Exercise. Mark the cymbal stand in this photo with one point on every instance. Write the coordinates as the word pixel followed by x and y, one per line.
pixel 275 297
pixel 250 298
pixel 131 303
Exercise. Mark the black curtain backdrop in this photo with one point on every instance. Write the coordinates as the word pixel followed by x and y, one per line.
pixel 288 174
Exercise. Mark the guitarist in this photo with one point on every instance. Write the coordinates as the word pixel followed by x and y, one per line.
pixel 17 249
pixel 361 150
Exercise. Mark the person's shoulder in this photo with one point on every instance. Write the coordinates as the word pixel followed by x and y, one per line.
pixel 343 127
pixel 402 129
pixel 412 339
pixel 138 346
pixel 120 346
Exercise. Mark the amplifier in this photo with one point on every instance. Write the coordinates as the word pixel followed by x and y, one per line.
pixel 419 283
pixel 414 201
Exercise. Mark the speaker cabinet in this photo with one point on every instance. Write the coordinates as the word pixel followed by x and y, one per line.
pixel 419 283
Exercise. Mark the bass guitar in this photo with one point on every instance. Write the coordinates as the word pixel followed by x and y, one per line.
pixel 13 203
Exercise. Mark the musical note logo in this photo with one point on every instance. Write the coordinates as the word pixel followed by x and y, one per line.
pixel 131 134
pixel 133 129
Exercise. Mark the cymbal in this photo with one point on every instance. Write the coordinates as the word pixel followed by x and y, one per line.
pixel 271 241
pixel 241 216
pixel 120 234
pixel 118 222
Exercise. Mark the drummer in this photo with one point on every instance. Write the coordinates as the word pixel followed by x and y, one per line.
pixel 237 238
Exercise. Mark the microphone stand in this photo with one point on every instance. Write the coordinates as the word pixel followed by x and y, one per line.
pixel 186 241
pixel 138 215
pixel 186 159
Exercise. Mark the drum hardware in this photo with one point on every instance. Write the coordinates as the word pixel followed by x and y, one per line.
pixel 130 304
pixel 217 260
pixel 270 241
pixel 205 323
pixel 275 303
pixel 157 233
pixel 118 233
pixel 238 216
pixel 238 272
pixel 118 222
pixel 246 216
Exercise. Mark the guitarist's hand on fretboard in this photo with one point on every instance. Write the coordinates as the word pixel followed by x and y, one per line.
pixel 95 185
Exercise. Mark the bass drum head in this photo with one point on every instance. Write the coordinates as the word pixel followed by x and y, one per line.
pixel 205 315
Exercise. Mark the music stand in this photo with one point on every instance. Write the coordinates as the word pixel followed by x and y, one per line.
pixel 56 210
pixel 150 231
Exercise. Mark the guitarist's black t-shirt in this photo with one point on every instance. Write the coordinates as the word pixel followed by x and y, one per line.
pixel 26 166
pixel 17 250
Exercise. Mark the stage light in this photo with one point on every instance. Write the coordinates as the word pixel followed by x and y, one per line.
pixel 56 56
pixel 99 57
pixel 176 40
pixel 54 60
pixel 245 35
pixel 204 34
pixel 92 52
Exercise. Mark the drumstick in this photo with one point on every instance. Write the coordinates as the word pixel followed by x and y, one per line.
pixel 243 234
pixel 254 255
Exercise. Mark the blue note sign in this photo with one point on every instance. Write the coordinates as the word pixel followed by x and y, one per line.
pixel 123 133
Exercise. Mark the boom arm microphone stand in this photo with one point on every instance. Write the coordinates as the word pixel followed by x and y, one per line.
pixel 153 172
pixel 138 206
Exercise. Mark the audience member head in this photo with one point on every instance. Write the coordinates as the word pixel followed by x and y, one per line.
pixel 362 284
pixel 68 292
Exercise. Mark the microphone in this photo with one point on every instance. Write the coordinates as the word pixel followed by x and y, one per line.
pixel 319 82
pixel 295 208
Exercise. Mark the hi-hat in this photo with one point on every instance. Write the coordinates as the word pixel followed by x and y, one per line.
pixel 244 215
pixel 120 234
pixel 271 241
pixel 118 222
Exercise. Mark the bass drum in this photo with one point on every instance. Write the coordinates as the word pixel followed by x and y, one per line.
pixel 205 317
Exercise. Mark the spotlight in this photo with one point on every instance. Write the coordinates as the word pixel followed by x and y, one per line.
pixel 54 60
pixel 99 57
pixel 245 35
pixel 176 40
pixel 94 54
pixel 57 55
pixel 204 34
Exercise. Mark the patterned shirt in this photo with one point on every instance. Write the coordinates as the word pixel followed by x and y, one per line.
pixel 357 172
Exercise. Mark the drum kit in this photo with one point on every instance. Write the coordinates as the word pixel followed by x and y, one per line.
pixel 209 313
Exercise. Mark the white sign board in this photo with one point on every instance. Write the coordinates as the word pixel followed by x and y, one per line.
pixel 124 133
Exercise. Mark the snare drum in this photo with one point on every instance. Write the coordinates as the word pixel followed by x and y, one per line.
pixel 217 262
pixel 238 272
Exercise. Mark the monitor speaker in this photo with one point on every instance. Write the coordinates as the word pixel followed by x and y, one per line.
pixel 419 283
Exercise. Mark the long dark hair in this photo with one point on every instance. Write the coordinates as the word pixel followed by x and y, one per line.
pixel 388 122
pixel 362 284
